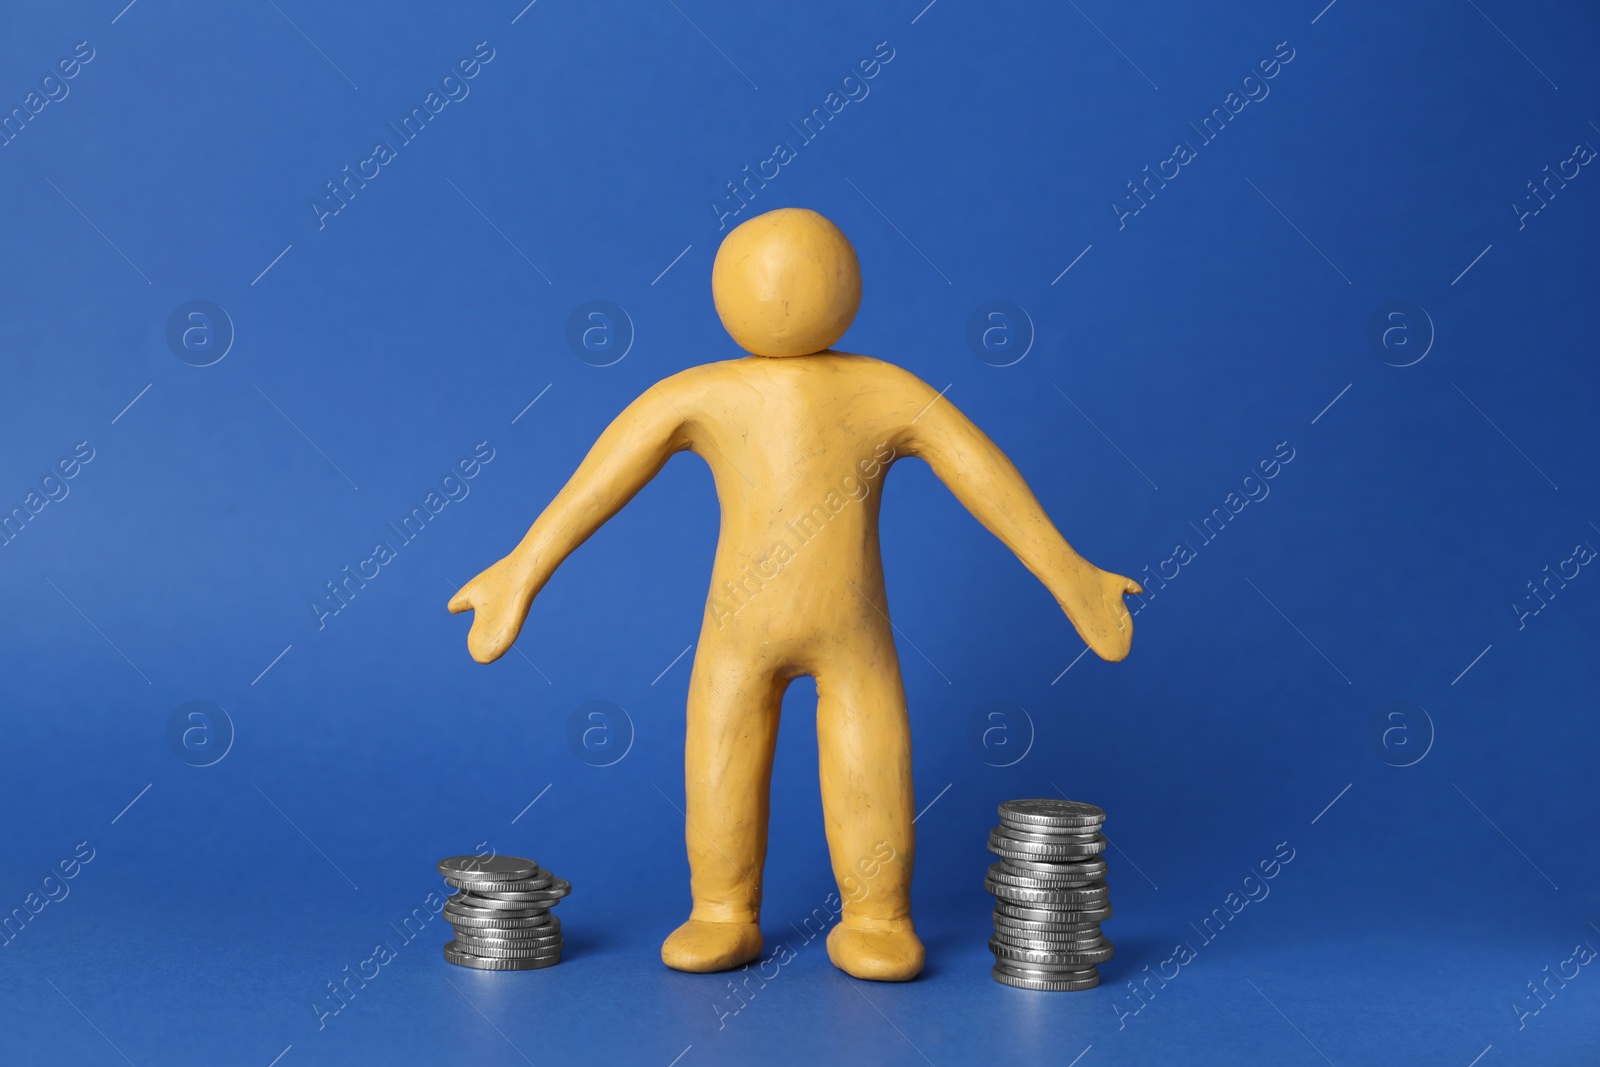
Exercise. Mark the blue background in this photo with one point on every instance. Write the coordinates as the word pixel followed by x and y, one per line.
pixel 1177 353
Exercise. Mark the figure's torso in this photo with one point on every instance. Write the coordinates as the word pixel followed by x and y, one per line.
pixel 799 449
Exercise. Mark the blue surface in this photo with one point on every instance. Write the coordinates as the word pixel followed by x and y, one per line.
pixel 1230 315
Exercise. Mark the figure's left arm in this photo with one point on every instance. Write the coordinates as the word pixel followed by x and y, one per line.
pixel 989 485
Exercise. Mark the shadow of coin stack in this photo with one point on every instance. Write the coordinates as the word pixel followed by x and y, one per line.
pixel 1050 895
pixel 502 915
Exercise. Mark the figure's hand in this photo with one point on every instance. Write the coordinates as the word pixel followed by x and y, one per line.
pixel 499 599
pixel 1093 601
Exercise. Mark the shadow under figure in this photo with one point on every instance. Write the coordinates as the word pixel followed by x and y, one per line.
pixel 799 439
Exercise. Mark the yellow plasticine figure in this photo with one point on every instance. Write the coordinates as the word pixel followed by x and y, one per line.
pixel 799 439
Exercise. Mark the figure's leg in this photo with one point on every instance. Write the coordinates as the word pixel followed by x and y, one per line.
pixel 864 742
pixel 733 728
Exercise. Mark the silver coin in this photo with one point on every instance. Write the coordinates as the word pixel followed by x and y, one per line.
pixel 542 903
pixel 457 915
pixel 1057 851
pixel 489 963
pixel 1048 947
pixel 1054 943
pixel 507 949
pixel 513 933
pixel 530 897
pixel 1046 837
pixel 1016 859
pixel 1056 985
pixel 1075 854
pixel 1056 814
pixel 1034 970
pixel 1054 924
pixel 1079 918
pixel 466 902
pixel 484 916
pixel 1049 942
pixel 1079 922
pixel 556 890
pixel 1056 877
pixel 1086 848
pixel 1003 873
pixel 1093 895
pixel 542 880
pixel 489 868
pixel 1063 849
pixel 478 935
pixel 1047 931
pixel 1085 870
pixel 1036 958
pixel 1044 913
pixel 544 935
pixel 1065 854
pixel 1032 842
pixel 524 937
pixel 1065 868
pixel 1062 876
pixel 553 953
pixel 1040 949
pixel 1044 879
pixel 478 900
pixel 503 912
pixel 1045 974
pixel 1031 832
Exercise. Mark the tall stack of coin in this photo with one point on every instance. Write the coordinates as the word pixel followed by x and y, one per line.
pixel 1051 894
pixel 502 915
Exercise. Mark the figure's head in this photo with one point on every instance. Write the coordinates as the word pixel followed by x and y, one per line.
pixel 786 283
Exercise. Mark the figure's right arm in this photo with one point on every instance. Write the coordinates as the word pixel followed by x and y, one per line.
pixel 630 452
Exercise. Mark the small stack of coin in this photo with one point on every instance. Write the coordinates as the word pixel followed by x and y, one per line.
pixel 1051 894
pixel 502 915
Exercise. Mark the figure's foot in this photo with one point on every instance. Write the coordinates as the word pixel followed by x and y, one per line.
pixel 886 951
pixel 1094 604
pixel 702 947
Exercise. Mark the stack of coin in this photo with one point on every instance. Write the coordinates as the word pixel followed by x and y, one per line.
pixel 502 915
pixel 1050 894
